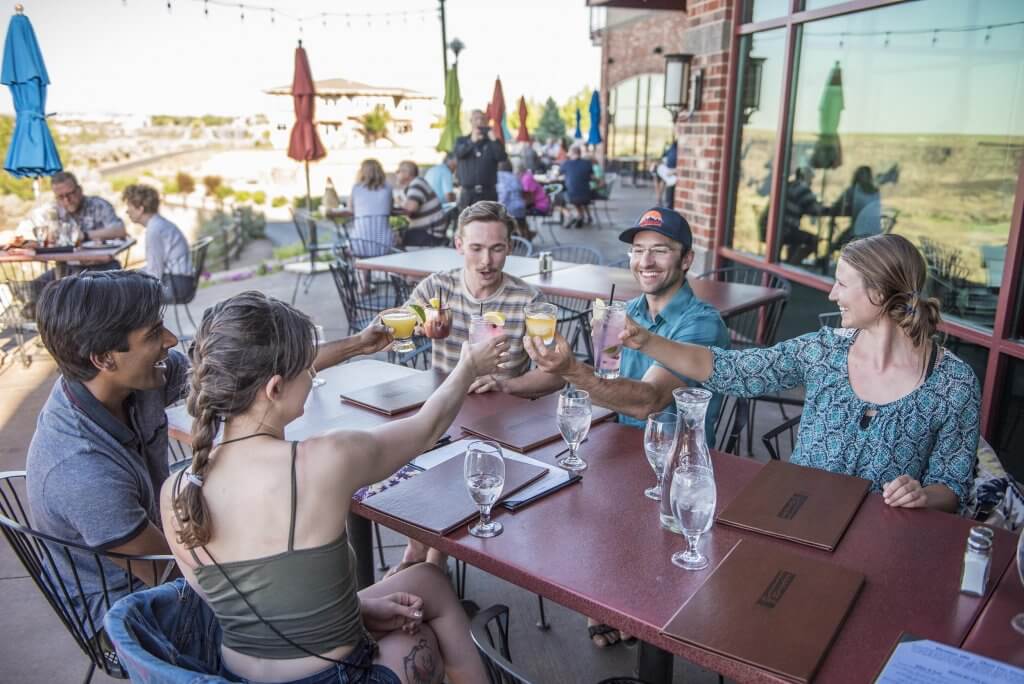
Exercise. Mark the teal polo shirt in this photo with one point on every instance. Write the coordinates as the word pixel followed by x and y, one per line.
pixel 685 319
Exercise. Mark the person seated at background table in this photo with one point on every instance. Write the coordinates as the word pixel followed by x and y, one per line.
pixel 284 593
pixel 422 206
pixel 442 178
pixel 862 197
pixel 537 201
pixel 883 400
pixel 800 201
pixel 510 195
pixel 598 184
pixel 93 216
pixel 578 173
pixel 167 253
pixel 98 456
pixel 370 204
pixel 484 240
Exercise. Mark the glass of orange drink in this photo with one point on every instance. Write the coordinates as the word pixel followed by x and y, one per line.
pixel 540 321
pixel 402 322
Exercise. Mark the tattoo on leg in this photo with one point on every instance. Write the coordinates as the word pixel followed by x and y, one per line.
pixel 420 665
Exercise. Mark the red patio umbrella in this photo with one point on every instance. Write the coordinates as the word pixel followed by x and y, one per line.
pixel 304 145
pixel 522 135
pixel 496 110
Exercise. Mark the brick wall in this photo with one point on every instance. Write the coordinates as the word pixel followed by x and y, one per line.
pixel 631 45
pixel 702 154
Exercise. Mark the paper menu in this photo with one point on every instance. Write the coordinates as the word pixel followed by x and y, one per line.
pixel 929 662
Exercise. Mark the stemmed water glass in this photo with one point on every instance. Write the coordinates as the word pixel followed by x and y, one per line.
pixel 659 444
pixel 484 471
pixel 319 331
pixel 693 504
pixel 574 416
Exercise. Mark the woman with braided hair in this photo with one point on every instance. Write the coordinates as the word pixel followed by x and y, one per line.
pixel 884 401
pixel 257 523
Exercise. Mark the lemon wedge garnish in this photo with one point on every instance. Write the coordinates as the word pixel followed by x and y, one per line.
pixel 495 318
pixel 435 303
pixel 599 309
pixel 418 310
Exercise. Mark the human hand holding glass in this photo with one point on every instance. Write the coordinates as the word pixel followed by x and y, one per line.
pixel 484 470
pixel 693 503
pixel 659 443
pixel 574 415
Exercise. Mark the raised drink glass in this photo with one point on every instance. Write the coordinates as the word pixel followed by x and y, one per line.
pixel 693 503
pixel 439 322
pixel 609 320
pixel 402 323
pixel 481 329
pixel 541 319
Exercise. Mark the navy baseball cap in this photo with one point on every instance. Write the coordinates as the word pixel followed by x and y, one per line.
pixel 669 223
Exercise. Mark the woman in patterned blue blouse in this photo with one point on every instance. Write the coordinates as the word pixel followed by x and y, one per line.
pixel 883 400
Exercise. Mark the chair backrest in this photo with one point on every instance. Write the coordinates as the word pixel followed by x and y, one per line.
pixel 521 247
pixel 198 252
pixel 577 254
pixel 619 263
pixel 749 328
pixel 489 630
pixel 869 220
pixel 832 319
pixel 731 423
pixel 773 440
pixel 44 557
pixel 361 309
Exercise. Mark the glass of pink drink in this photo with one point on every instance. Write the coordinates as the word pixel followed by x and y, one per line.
pixel 608 322
pixel 483 328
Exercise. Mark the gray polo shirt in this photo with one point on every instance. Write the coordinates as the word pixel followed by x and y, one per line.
pixel 94 481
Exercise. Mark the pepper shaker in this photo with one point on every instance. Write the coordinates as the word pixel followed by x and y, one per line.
pixel 977 561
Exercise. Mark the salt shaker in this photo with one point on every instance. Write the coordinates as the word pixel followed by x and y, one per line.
pixel 977 560
pixel 546 262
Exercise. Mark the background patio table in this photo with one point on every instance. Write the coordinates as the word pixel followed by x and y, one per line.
pixel 82 256
pixel 423 262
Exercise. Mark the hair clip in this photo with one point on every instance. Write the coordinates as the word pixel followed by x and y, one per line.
pixel 193 478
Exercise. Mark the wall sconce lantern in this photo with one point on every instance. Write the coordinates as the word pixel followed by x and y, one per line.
pixel 683 85
pixel 752 86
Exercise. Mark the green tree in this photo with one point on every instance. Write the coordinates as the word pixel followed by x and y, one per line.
pixel 186 183
pixel 551 123
pixel 374 125
pixel 580 100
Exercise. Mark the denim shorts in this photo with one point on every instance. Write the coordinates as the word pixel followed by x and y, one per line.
pixel 356 668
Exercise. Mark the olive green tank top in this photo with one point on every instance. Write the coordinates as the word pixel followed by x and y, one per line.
pixel 308 595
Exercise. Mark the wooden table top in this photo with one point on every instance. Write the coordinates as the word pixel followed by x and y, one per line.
pixel 992 635
pixel 422 262
pixel 84 256
pixel 588 281
pixel 597 548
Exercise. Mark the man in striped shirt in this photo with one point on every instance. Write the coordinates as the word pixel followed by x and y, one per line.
pixel 422 206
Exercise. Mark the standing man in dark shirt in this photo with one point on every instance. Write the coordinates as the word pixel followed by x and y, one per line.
pixel 478 155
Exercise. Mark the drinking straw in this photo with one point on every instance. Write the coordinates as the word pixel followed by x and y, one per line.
pixel 611 295
pixel 481 308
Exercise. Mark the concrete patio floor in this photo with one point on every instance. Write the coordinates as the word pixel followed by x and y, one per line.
pixel 35 647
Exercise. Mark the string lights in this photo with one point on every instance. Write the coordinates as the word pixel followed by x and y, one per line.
pixel 381 18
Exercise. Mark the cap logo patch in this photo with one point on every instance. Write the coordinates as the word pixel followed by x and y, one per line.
pixel 651 218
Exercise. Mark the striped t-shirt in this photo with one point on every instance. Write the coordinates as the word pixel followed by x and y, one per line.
pixel 429 216
pixel 510 299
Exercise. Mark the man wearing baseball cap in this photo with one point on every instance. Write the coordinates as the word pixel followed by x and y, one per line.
pixel 660 254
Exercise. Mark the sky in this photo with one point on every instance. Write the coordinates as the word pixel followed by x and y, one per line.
pixel 136 57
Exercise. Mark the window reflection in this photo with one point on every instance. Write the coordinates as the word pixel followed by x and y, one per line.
pixel 759 10
pixel 1008 438
pixel 760 65
pixel 910 119
pixel 640 128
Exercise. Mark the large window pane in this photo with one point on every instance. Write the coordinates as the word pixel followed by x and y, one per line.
pixel 760 85
pixel 641 128
pixel 1008 438
pixel 759 10
pixel 911 119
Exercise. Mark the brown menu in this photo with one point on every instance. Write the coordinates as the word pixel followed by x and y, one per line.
pixel 399 395
pixel 769 607
pixel 802 504
pixel 437 500
pixel 534 425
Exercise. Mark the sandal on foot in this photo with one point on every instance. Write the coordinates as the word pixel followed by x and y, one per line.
pixel 607 633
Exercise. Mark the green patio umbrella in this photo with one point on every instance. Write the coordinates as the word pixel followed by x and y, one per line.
pixel 452 111
pixel 828 153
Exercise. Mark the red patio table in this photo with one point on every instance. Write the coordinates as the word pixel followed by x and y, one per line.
pixel 423 262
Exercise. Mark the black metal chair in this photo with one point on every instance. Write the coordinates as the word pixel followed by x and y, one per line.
pixel 312 264
pixel 521 247
pixel 772 439
pixel 41 555
pixel 489 630
pixel 577 254
pixel 361 308
pixel 183 299
pixel 574 313
pixel 731 424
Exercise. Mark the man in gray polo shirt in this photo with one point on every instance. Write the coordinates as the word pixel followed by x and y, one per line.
pixel 99 453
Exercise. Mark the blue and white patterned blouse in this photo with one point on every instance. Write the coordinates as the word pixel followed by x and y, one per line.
pixel 930 434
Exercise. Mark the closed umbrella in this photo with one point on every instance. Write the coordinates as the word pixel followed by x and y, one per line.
pixel 304 145
pixel 452 107
pixel 594 135
pixel 579 132
pixel 522 135
pixel 32 152
pixel 496 111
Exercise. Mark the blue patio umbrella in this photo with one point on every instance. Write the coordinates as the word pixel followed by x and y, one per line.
pixel 594 135
pixel 579 133
pixel 32 152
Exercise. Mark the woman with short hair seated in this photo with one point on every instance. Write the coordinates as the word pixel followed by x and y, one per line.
pixel 884 401
pixel 258 523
